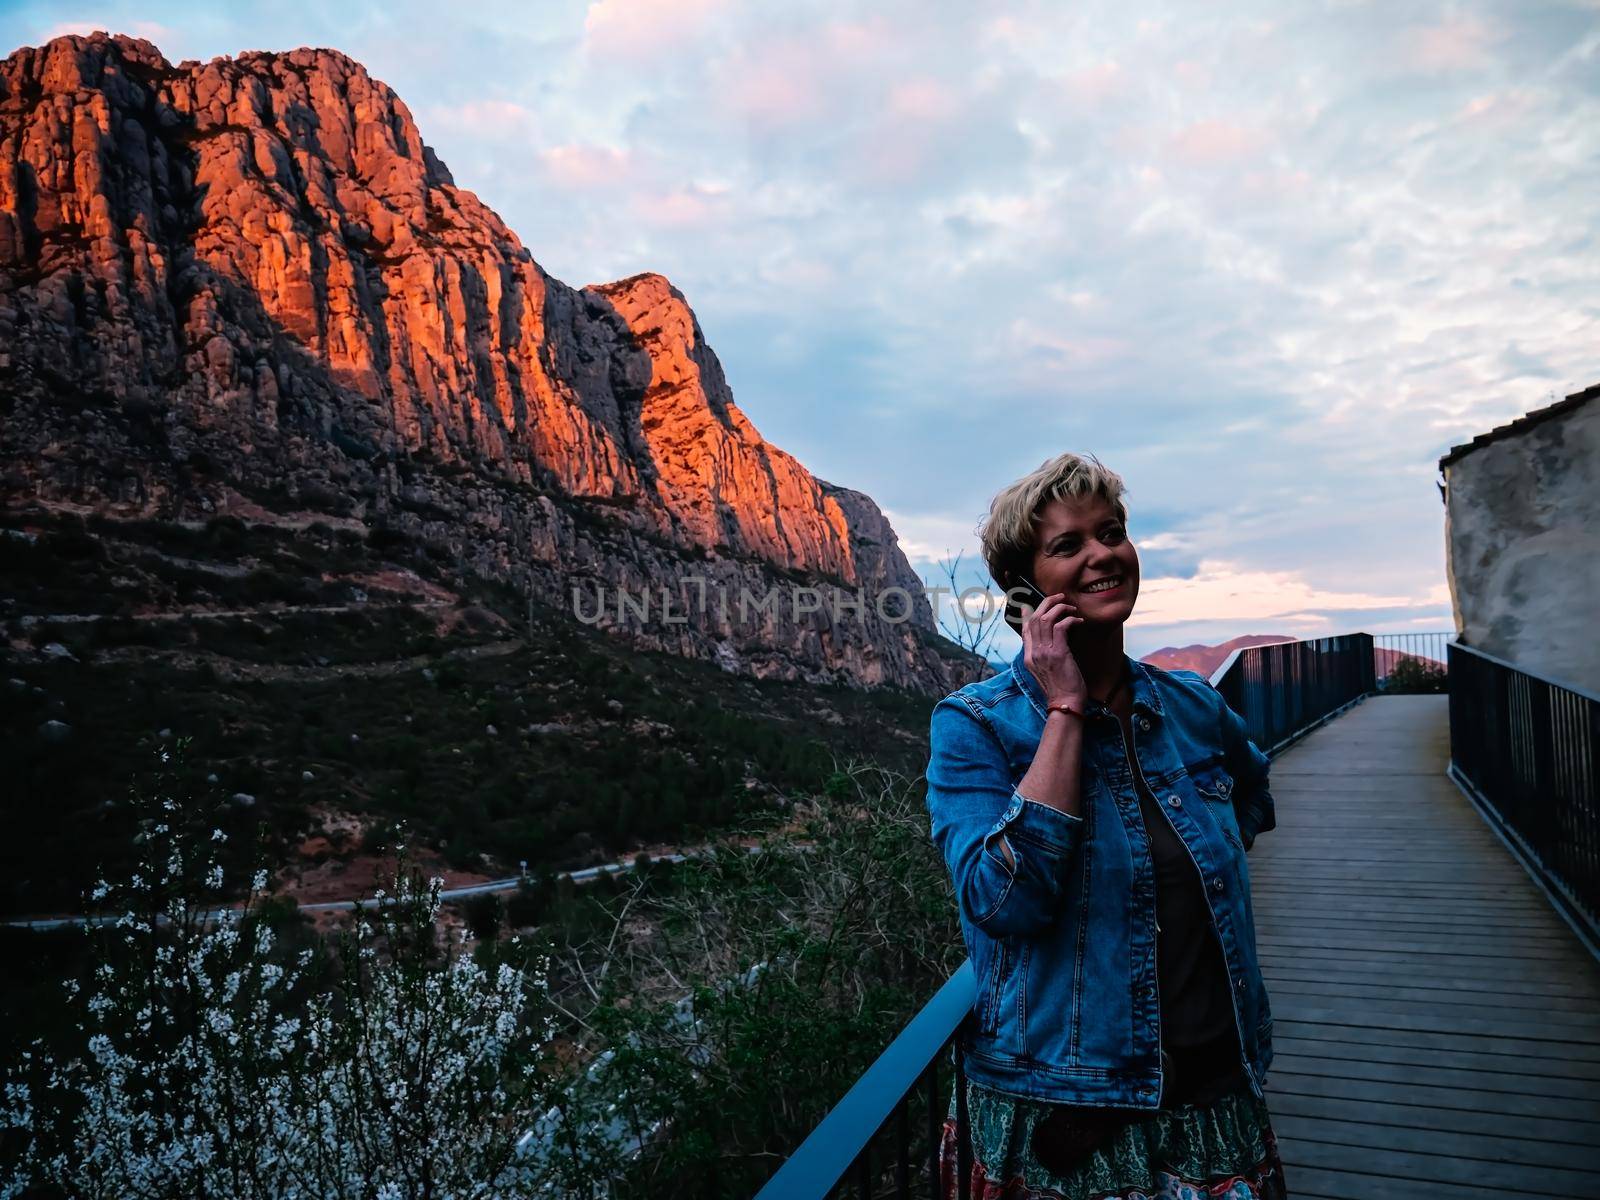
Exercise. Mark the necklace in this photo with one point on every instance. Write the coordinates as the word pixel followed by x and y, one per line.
pixel 1112 695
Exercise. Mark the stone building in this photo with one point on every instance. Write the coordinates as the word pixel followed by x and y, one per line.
pixel 1522 535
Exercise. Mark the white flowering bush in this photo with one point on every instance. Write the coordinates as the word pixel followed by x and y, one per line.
pixel 214 1061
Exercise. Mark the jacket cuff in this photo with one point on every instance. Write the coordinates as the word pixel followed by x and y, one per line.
pixel 1032 822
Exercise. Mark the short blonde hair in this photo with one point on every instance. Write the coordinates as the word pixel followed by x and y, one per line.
pixel 1010 532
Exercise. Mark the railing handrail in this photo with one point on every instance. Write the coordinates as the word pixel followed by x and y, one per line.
pixel 824 1157
pixel 1511 666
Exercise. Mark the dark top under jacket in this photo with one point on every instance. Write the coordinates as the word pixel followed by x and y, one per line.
pixel 1196 1000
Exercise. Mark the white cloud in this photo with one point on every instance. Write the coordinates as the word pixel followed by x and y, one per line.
pixel 1269 263
pixel 1229 591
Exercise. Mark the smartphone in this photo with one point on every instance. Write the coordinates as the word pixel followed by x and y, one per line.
pixel 1026 592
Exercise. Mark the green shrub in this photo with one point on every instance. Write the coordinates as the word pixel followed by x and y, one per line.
pixel 801 964
pixel 1416 675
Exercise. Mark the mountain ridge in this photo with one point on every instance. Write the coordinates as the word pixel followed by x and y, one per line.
pixel 250 281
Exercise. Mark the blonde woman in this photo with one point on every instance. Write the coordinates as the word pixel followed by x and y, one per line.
pixel 1094 812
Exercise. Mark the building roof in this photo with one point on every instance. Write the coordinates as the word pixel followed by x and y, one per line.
pixel 1522 423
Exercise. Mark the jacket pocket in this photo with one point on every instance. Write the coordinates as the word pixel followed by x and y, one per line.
pixel 1215 786
pixel 1214 783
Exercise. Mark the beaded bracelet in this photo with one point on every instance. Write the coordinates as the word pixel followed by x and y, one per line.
pixel 1063 706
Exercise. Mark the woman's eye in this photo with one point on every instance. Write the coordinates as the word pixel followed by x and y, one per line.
pixel 1114 535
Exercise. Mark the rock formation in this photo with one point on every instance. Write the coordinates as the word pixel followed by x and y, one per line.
pixel 249 281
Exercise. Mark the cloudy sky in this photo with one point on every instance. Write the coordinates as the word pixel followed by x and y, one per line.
pixel 1267 261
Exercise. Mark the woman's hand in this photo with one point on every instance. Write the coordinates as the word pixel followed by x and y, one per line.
pixel 1046 654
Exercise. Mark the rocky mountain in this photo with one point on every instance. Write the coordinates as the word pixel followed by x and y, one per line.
pixel 247 286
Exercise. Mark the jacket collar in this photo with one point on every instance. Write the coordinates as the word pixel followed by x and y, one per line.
pixel 1145 694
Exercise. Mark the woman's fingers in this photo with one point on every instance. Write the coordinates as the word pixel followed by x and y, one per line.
pixel 1058 632
pixel 1052 607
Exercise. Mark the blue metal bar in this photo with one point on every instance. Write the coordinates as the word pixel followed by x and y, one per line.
pixel 824 1157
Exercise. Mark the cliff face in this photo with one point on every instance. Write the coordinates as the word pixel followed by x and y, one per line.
pixel 250 281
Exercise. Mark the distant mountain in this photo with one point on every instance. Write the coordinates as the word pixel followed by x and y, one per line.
pixel 1206 659
pixel 248 288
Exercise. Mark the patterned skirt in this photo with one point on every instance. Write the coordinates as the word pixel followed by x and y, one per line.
pixel 1223 1149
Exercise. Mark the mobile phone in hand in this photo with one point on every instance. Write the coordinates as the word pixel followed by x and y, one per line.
pixel 1024 591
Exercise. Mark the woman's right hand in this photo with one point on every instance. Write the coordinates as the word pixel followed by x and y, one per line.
pixel 1047 655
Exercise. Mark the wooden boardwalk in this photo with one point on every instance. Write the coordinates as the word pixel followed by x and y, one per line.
pixel 1436 1024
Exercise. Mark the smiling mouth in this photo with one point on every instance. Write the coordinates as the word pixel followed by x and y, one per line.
pixel 1101 586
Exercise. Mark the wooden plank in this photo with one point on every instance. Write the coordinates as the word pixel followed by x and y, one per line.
pixel 1424 1170
pixel 1488 984
pixel 1444 916
pixel 1444 882
pixel 1390 887
pixel 1398 1015
pixel 1525 900
pixel 1427 1096
pixel 1463 947
pixel 1545 1130
pixel 1511 1047
pixel 1435 1074
pixel 1340 855
pixel 1468 1147
pixel 1381 959
pixel 1330 846
pixel 1306 1179
pixel 1297 900
pixel 1306 908
pixel 1294 900
pixel 1447 998
pixel 1381 928
pixel 1384 930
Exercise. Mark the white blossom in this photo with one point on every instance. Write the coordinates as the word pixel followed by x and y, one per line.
pixel 209 1058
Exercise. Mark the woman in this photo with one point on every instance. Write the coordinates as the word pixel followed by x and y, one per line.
pixel 1094 812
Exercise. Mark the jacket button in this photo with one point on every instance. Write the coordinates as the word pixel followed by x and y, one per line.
pixel 1175 802
pixel 1216 884
pixel 1144 723
pixel 1225 787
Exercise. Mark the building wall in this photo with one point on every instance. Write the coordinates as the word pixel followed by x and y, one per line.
pixel 1522 532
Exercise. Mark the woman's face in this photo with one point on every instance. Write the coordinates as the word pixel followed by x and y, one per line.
pixel 1082 542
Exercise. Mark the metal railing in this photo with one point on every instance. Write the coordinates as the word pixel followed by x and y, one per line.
pixel 1526 750
pixel 1286 689
pixel 1282 691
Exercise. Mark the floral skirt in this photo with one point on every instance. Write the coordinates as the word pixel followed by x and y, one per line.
pixel 1221 1150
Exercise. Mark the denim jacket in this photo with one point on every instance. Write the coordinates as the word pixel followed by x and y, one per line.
pixel 1063 941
